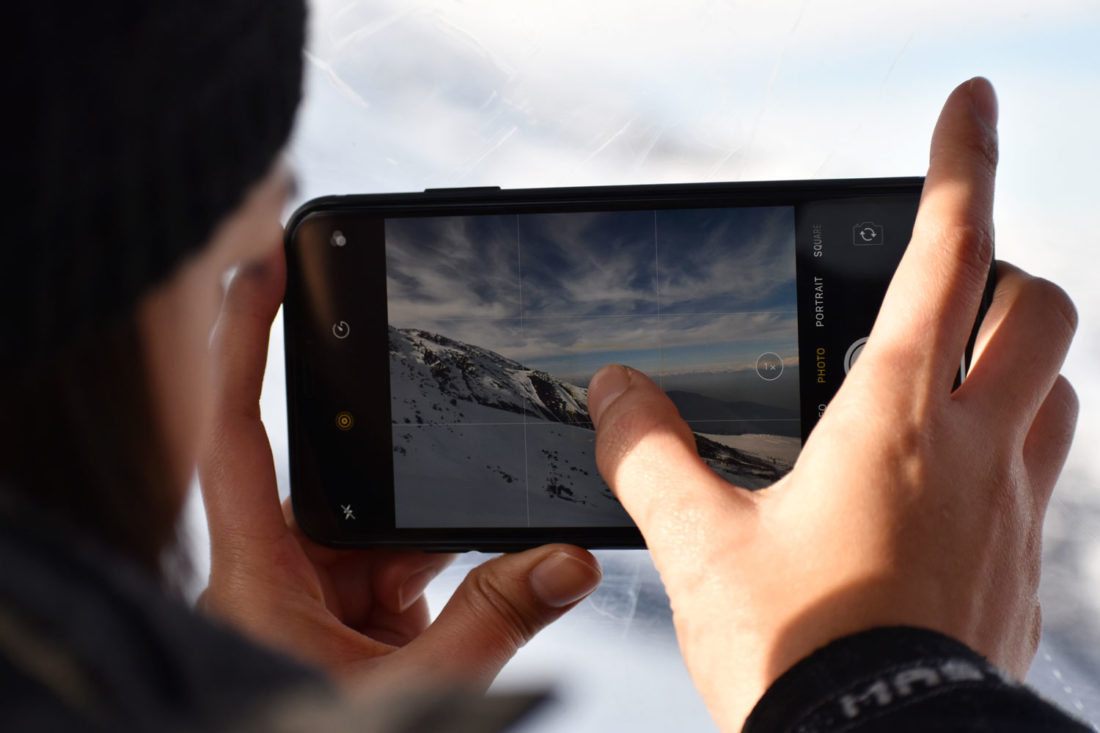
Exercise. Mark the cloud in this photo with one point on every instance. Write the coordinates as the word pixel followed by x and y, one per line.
pixel 588 264
pixel 722 260
pixel 545 287
pixel 539 92
pixel 447 268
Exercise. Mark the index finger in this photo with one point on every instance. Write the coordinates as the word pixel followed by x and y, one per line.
pixel 236 467
pixel 929 310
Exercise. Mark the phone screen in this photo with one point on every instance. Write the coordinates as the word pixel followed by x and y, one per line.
pixel 498 322
pixel 439 355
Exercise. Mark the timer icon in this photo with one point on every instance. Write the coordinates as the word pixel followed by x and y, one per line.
pixel 341 330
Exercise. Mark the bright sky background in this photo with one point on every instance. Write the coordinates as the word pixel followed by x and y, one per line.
pixel 408 94
pixel 403 95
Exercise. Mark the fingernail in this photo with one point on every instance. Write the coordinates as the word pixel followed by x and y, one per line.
pixel 414 587
pixel 984 100
pixel 562 579
pixel 605 387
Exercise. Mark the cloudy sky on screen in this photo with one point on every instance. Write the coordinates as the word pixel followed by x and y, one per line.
pixel 670 292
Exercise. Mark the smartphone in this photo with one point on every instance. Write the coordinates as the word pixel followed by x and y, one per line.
pixel 439 344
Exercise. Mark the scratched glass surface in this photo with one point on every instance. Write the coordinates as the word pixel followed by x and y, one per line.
pixel 402 95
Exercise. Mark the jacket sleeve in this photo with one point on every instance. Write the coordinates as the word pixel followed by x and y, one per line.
pixel 901 679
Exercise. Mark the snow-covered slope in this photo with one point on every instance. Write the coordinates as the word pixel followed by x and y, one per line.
pixel 482 440
pixel 431 374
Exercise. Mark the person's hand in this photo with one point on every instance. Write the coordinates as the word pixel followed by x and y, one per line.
pixel 347 611
pixel 910 504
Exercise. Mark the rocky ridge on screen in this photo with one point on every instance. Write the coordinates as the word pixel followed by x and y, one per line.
pixel 468 417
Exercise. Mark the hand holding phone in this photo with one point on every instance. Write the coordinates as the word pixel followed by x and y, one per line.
pixel 358 614
pixel 911 503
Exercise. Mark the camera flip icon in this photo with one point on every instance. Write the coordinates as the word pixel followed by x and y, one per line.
pixel 867 233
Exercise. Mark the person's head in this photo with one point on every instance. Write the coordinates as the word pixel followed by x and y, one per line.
pixel 145 165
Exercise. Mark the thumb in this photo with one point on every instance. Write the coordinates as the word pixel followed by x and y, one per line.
pixel 647 454
pixel 499 606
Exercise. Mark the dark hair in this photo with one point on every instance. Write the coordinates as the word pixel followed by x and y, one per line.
pixel 140 126
pixel 79 438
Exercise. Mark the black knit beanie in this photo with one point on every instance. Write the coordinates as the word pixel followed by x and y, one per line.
pixel 134 126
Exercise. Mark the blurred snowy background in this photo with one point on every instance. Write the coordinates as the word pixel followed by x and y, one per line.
pixel 407 94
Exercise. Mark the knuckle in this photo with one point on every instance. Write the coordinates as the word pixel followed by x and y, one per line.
pixel 618 439
pixel 977 151
pixel 645 419
pixel 1050 298
pixel 496 606
pixel 1067 395
pixel 972 246
pixel 986 150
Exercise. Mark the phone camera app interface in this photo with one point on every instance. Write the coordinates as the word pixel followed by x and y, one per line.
pixel 497 324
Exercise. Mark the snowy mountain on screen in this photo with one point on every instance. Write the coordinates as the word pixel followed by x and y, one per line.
pixel 437 373
pixel 479 438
